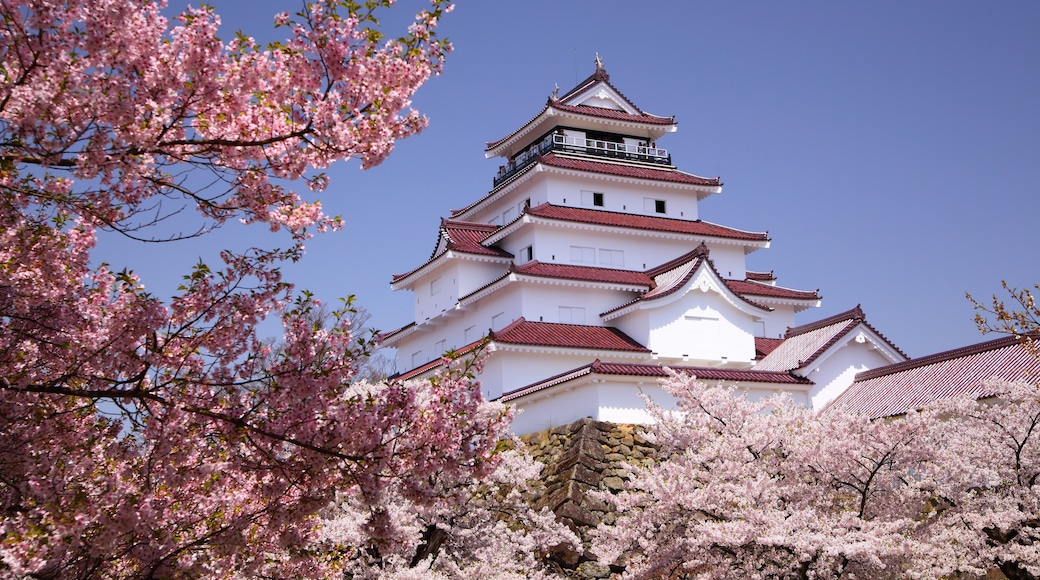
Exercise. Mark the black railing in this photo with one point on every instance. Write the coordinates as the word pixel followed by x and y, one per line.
pixel 595 147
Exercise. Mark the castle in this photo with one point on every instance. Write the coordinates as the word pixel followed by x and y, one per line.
pixel 588 270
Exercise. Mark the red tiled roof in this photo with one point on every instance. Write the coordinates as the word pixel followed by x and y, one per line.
pixel 626 170
pixel 657 371
pixel 895 389
pixel 642 222
pixel 758 289
pixel 599 75
pixel 761 276
pixel 804 344
pixel 675 274
pixel 385 335
pixel 437 362
pixel 634 171
pixel 613 114
pixel 566 336
pixel 462 237
pixel 764 346
pixel 467 237
pixel 583 273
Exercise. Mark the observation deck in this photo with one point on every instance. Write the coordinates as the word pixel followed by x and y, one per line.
pixel 592 147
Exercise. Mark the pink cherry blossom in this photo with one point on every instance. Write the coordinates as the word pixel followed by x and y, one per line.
pixel 147 439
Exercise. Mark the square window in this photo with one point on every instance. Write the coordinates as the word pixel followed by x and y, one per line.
pixel 583 255
pixel 572 315
pixel 597 199
pixel 659 206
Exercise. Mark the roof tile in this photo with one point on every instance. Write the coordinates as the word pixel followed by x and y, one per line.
pixel 643 222
pixel 895 389
pixel 627 170
pixel 553 334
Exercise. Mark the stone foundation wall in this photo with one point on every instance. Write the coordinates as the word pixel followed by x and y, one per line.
pixel 580 457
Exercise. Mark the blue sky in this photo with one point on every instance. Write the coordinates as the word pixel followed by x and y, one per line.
pixel 891 149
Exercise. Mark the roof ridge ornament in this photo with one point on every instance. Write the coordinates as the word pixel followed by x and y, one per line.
pixel 601 73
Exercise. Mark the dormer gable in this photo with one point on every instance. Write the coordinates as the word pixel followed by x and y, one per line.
pixel 674 279
pixel 593 105
pixel 596 91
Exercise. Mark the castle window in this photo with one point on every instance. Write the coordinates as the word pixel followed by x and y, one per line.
pixel 526 254
pixel 438 348
pixel 583 255
pixel 470 334
pixel 417 358
pixel 572 315
pixel 612 258
pixel 591 198
pixel 651 205
pixel 435 286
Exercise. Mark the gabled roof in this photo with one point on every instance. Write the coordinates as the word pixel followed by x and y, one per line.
pixel 895 389
pixel 642 222
pixel 599 75
pixel 676 274
pixel 568 104
pixel 552 334
pixel 764 346
pixel 627 170
pixel 466 237
pixel 655 371
pixel 804 344
pixel 462 238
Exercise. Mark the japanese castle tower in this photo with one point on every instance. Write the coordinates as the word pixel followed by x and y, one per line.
pixel 589 270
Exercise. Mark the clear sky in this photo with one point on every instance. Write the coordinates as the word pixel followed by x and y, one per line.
pixel 891 149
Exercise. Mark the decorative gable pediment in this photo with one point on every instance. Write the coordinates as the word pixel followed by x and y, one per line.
pixel 603 96
pixel 690 273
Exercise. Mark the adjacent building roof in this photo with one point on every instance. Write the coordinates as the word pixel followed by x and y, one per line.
pixel 557 335
pixel 655 371
pixel 895 389
pixel 804 344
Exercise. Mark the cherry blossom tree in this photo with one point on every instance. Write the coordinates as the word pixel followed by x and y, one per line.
pixel 144 439
pixel 987 475
pixel 766 490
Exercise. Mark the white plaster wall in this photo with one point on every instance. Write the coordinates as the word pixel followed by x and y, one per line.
pixel 622 197
pixel 635 324
pixel 542 302
pixel 565 406
pixel 429 305
pixel 552 244
pixel 473 274
pixel 451 327
pixel 779 320
pixel 514 369
pixel 533 188
pixel 717 330
pixel 836 372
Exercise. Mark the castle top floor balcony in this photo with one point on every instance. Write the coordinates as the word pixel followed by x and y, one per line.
pixel 645 153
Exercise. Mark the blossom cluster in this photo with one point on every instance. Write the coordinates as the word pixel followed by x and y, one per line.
pixel 769 489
